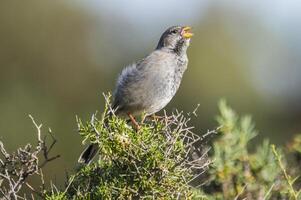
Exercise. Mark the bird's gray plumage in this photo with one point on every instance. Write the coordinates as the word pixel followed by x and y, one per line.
pixel 150 84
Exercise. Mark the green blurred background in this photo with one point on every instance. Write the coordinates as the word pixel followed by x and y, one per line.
pixel 57 57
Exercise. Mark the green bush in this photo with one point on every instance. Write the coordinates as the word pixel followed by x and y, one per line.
pixel 239 173
pixel 153 162
pixel 164 159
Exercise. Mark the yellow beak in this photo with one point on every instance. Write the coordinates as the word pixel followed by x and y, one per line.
pixel 186 32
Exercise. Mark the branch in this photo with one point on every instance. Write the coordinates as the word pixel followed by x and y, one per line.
pixel 16 167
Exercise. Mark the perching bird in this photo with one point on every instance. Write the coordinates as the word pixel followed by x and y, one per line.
pixel 149 85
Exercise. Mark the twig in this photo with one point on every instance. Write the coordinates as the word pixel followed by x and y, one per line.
pixel 15 168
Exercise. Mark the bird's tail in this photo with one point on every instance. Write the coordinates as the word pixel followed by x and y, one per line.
pixel 88 154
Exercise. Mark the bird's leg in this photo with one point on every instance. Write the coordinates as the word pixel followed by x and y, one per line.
pixel 134 121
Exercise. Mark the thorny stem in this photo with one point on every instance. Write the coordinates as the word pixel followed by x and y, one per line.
pixel 287 177
pixel 15 168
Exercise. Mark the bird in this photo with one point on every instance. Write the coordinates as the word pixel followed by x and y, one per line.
pixel 149 84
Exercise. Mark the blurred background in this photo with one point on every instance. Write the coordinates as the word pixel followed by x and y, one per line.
pixel 57 57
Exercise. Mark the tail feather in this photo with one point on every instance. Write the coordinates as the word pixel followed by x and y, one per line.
pixel 88 154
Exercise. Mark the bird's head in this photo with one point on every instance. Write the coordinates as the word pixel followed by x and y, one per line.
pixel 176 39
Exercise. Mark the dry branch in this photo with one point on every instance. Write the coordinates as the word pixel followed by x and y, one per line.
pixel 16 167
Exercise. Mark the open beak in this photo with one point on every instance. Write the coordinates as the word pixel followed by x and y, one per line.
pixel 186 32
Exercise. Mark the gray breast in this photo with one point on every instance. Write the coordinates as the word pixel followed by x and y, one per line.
pixel 149 85
pixel 180 68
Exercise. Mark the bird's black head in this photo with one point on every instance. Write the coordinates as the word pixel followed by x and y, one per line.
pixel 176 39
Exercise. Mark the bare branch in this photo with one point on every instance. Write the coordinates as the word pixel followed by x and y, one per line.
pixel 15 168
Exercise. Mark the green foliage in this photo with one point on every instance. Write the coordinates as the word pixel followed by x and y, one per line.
pixel 151 163
pixel 56 196
pixel 165 160
pixel 237 172
pixel 290 181
pixel 295 145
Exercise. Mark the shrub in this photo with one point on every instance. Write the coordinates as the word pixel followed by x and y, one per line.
pixel 164 159
pixel 237 172
pixel 153 162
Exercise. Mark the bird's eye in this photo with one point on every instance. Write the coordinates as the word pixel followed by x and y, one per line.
pixel 174 31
